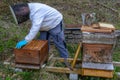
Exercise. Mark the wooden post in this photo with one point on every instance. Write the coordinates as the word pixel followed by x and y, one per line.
pixel 76 55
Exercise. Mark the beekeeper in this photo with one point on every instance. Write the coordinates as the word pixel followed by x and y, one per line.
pixel 45 19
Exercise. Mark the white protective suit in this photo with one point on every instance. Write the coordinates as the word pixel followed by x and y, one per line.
pixel 43 18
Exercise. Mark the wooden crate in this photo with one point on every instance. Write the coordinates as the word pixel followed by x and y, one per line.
pixel 98 53
pixel 34 53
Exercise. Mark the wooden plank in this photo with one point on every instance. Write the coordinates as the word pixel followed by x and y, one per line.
pixel 9 63
pixel 51 56
pixel 63 70
pixel 53 62
pixel 27 66
pixel 106 26
pixel 68 59
pixel 116 63
pixel 76 55
pixel 90 29
pixel 97 73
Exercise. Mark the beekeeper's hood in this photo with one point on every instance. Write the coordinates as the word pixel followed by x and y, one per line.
pixel 20 12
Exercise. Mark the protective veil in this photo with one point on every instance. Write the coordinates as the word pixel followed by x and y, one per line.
pixel 18 14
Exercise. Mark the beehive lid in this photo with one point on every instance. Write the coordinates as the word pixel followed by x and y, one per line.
pixel 99 27
pixel 35 44
pixel 106 26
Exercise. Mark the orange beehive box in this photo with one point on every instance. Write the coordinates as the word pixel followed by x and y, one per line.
pixel 34 53
pixel 98 69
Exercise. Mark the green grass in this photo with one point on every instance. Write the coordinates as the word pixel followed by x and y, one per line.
pixel 117 26
pixel 116 54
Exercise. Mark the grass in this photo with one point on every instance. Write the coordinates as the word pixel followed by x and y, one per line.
pixel 116 55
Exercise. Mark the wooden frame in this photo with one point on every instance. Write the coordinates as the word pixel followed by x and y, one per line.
pixel 79 71
pixel 52 68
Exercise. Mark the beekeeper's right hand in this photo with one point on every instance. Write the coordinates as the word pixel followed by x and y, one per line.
pixel 20 44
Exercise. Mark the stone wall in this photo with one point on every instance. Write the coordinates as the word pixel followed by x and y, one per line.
pixel 73 35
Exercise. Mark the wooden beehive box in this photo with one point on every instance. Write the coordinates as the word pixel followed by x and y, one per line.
pixel 97 48
pixel 98 38
pixel 101 53
pixel 98 69
pixel 32 55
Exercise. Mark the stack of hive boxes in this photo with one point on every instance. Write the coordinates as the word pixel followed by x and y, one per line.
pixel 98 42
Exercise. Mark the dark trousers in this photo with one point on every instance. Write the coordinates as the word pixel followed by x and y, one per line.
pixel 57 34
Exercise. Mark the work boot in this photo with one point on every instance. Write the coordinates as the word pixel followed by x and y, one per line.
pixel 67 64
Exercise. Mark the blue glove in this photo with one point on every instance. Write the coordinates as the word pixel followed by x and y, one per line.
pixel 21 43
